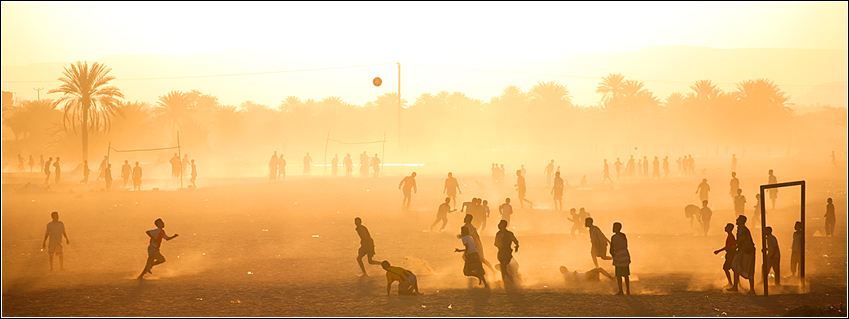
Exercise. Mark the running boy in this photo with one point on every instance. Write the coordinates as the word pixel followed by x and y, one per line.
pixel 154 257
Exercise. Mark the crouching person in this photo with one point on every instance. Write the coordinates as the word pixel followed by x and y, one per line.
pixel 407 283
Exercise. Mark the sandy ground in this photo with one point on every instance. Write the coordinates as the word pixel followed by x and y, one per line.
pixel 247 248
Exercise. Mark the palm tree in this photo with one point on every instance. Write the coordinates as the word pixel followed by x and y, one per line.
pixel 610 87
pixel 175 109
pixel 32 118
pixel 705 90
pixel 551 94
pixel 88 98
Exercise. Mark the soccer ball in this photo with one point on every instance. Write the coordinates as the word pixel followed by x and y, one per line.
pixel 377 81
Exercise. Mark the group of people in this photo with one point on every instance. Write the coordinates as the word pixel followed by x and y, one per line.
pixel 703 214
pixel 277 165
pixel 178 168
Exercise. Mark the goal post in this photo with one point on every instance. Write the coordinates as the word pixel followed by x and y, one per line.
pixel 762 204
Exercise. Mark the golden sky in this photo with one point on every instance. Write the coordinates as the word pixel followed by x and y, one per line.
pixel 69 31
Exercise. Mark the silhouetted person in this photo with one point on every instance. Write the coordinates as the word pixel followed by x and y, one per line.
pixel 655 173
pixel 375 164
pixel 584 181
pixel 409 183
pixel 705 213
pixel 137 176
pixel 639 167
pixel 621 257
pixel 830 218
pixel 194 174
pixel 505 210
pixel 645 167
pixel 366 245
pixel 307 163
pixel 154 257
pixel 55 231
pixel 796 248
pixel 281 167
pixel 20 163
pixel 86 172
pixel 334 164
pixel 175 166
pixel 184 164
pixel 591 275
pixel 363 164
pixel 744 260
pixel 47 170
pixel 773 192
pixel 678 164
pixel 451 188
pixel 685 163
pixel 272 167
pixel 733 162
pixel 577 222
pixel 504 240
pixel 773 255
pixel 126 171
pixel 665 166
pixel 730 249
pixel 617 165
pixel 524 172
pixel 442 214
pixel 691 164
pixel 549 169
pixel 599 242
pixel 59 170
pixel 473 231
pixel 407 282
pixel 692 212
pixel 494 169
pixel 757 213
pixel 631 167
pixel 41 163
pixel 740 203
pixel 483 211
pixel 472 264
pixel 606 173
pixel 735 185
pixel 557 190
pixel 102 167
pixel 703 190
pixel 31 163
pixel 349 164
pixel 520 187
pixel 107 175
pixel 471 208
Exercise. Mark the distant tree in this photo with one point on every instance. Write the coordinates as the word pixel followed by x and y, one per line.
pixel 610 87
pixel 32 117
pixel 90 102
pixel 176 109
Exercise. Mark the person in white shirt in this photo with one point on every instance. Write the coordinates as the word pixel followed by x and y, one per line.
pixel 506 210
pixel 472 266
pixel 55 231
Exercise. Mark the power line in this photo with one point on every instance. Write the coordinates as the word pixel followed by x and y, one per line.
pixel 595 77
pixel 220 75
pixel 417 64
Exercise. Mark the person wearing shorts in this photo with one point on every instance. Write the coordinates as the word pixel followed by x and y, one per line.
pixel 407 282
pixel 451 188
pixel 504 240
pixel 55 231
pixel 366 246
pixel 409 184
pixel 621 257
pixel 730 249
pixel 154 257
pixel 137 175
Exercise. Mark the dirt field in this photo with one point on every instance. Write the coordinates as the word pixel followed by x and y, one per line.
pixel 247 248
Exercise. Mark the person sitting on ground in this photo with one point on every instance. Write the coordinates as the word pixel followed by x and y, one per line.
pixel 407 283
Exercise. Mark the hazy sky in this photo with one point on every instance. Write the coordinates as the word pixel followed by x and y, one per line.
pixel 66 32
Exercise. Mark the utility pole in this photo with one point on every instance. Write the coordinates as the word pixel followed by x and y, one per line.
pixel 399 103
pixel 39 92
